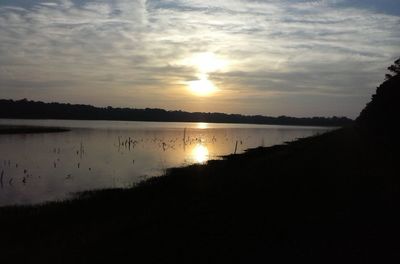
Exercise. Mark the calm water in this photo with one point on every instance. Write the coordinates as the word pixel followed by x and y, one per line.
pixel 107 154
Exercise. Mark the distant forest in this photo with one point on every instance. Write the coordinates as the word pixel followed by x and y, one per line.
pixel 25 109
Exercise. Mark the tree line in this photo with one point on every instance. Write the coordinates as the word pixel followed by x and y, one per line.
pixel 39 110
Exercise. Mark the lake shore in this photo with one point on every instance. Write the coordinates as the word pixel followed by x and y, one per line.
pixel 331 198
pixel 17 129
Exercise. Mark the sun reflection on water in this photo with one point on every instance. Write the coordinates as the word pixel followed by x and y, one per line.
pixel 200 153
pixel 202 125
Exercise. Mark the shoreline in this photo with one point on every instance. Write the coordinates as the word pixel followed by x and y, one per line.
pixel 26 129
pixel 179 122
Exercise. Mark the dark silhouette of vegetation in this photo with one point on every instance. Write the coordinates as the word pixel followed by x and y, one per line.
pixel 379 119
pixel 331 198
pixel 394 69
pixel 39 110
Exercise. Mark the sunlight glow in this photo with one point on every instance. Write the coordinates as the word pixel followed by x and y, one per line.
pixel 200 153
pixel 207 62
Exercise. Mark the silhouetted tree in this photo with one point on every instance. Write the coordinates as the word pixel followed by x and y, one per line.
pixel 379 118
pixel 394 69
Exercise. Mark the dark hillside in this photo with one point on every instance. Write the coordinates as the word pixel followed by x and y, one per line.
pixel 380 118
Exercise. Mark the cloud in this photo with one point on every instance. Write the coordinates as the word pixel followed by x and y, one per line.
pixel 126 52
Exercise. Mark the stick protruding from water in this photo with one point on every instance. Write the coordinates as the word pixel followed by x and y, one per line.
pixel 236 147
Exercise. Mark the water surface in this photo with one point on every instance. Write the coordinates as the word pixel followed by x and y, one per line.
pixel 109 154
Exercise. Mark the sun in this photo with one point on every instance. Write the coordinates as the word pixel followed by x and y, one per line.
pixel 202 87
pixel 205 63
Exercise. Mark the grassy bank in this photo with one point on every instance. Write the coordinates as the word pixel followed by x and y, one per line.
pixel 11 129
pixel 332 198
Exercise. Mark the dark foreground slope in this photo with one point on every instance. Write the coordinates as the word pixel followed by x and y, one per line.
pixel 332 198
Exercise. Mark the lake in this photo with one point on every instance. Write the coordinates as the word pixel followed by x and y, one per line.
pixel 115 154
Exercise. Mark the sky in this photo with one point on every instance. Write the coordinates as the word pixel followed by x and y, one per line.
pixel 269 57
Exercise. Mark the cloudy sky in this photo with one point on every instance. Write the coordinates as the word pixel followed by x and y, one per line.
pixel 287 57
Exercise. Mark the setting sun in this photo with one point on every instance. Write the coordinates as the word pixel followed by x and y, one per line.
pixel 202 87
pixel 205 63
